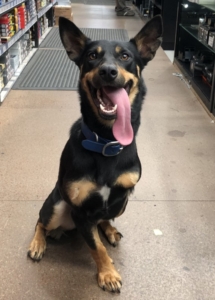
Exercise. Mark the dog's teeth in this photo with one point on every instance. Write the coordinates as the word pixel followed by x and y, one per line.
pixel 108 111
pixel 102 107
pixel 98 94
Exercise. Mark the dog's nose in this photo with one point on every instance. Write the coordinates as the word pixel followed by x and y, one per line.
pixel 108 72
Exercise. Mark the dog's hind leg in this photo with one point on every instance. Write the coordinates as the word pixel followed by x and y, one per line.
pixel 55 217
pixel 111 233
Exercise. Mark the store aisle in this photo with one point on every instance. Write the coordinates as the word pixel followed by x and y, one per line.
pixel 176 193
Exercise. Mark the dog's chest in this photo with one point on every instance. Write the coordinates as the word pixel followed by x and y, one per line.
pixel 105 203
pixel 105 193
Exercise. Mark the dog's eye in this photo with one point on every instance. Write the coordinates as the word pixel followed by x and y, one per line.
pixel 124 56
pixel 92 56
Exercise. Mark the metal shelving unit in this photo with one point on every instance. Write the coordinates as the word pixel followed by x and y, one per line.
pixel 17 36
pixel 10 5
pixel 33 22
pixel 187 37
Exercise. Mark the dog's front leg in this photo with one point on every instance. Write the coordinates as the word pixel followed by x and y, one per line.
pixel 108 277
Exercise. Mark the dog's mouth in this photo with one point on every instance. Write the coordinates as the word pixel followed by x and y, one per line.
pixel 104 99
pixel 113 104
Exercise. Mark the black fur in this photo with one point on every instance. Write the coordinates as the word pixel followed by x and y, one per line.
pixel 114 64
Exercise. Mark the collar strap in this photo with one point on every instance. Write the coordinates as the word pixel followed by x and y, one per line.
pixel 100 145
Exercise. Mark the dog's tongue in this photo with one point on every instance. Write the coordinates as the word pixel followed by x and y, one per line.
pixel 122 129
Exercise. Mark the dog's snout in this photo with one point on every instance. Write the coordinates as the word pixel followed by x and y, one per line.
pixel 108 72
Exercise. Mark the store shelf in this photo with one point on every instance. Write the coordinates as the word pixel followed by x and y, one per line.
pixel 7 6
pixel 202 88
pixel 11 82
pixel 45 34
pixel 43 10
pixel 17 36
pixel 194 32
pixel 187 37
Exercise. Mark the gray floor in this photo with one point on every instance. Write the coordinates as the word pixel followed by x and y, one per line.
pixel 176 193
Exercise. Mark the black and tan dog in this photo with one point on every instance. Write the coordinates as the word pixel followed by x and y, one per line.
pixel 99 166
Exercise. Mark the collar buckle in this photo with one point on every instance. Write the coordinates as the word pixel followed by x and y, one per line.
pixel 112 144
pixel 100 145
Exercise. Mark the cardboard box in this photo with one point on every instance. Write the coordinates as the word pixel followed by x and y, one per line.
pixel 63 11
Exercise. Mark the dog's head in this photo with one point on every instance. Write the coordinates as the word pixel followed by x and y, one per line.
pixel 110 73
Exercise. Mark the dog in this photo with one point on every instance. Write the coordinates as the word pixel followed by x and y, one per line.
pixel 99 165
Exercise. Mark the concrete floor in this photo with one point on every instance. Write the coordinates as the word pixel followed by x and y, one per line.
pixel 176 193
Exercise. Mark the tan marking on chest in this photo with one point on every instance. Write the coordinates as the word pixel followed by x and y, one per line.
pixel 78 191
pixel 128 180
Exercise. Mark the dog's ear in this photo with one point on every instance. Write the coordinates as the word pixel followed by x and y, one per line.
pixel 73 40
pixel 149 38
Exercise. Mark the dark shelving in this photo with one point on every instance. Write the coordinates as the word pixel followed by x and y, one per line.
pixel 168 10
pixel 188 39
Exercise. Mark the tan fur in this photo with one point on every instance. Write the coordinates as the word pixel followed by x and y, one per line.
pixel 118 49
pixel 111 232
pixel 129 76
pixel 78 191
pixel 138 71
pixel 108 277
pixel 99 49
pixel 128 180
pixel 38 245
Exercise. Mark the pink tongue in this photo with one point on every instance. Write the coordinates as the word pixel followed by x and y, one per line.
pixel 122 129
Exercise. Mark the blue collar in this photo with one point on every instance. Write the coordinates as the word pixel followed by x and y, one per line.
pixel 97 144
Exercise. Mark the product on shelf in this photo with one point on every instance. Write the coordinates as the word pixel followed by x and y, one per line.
pixel 201 65
pixel 63 11
pixel 7 26
pixel 2 67
pixel 33 37
pixel 186 54
pixel 2 2
pixel 211 40
pixel 14 61
pixel 8 70
pixel 20 50
pixel 31 9
pixel 22 16
pixel 13 21
pixel 41 3
pixel 206 29
pixel 42 25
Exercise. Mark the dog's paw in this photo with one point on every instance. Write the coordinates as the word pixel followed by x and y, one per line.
pixel 114 237
pixel 111 233
pixel 110 280
pixel 37 249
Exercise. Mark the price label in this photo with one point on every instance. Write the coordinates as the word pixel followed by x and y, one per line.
pixel 211 41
